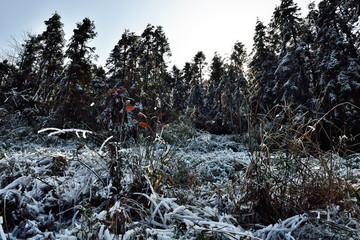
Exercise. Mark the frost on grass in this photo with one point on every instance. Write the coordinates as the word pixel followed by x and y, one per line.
pixel 186 191
pixel 42 189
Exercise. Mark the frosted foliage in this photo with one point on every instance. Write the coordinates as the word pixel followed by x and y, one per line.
pixel 38 182
pixel 284 65
pixel 331 84
pixel 332 97
pixel 299 47
pixel 287 84
pixel 2 234
pixel 354 69
pixel 356 85
pixel 343 82
pixel 356 28
pixel 294 88
pixel 287 227
pixel 333 62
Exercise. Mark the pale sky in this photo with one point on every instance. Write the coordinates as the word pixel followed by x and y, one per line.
pixel 190 25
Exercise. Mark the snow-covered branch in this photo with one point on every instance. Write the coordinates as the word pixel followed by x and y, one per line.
pixel 57 131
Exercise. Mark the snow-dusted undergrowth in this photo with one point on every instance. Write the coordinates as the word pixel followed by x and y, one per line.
pixel 185 191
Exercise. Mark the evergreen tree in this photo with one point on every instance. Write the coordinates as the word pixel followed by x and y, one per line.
pixel 28 65
pixel 216 70
pixel 80 54
pixel 154 50
pixel 196 99
pixel 4 71
pixel 339 63
pixel 178 91
pixel 309 32
pixel 19 82
pixel 187 75
pixel 292 82
pixel 163 81
pixel 162 53
pixel 261 70
pixel 73 96
pixel 98 89
pixel 213 103
pixel 124 75
pixel 138 64
pixel 123 61
pixel 52 58
pixel 198 67
pixel 236 88
pixel 147 62
pixel 339 59
pixel 7 74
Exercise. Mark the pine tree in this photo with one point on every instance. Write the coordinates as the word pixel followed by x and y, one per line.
pixel 52 59
pixel 7 74
pixel 178 91
pixel 124 75
pixel 147 62
pixel 292 82
pixel 187 75
pixel 4 71
pixel 80 54
pixel 236 88
pixel 198 66
pixel 162 52
pixel 196 98
pixel 73 96
pixel 28 65
pixel 261 70
pixel 339 62
pixel 309 32
pixel 213 104
pixel 123 61
pixel 154 50
pixel 163 81
pixel 138 64
pixel 98 89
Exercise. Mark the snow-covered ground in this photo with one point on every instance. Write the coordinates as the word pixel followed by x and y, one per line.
pixel 174 188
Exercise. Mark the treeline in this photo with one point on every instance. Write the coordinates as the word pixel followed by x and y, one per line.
pixel 310 63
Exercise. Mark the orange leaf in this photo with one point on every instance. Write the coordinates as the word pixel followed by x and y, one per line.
pixel 122 90
pixel 111 91
pixel 162 114
pixel 129 108
pixel 143 124
pixel 135 121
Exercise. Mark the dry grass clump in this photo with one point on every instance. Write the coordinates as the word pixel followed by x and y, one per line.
pixel 289 173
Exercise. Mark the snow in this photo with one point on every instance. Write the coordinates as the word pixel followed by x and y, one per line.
pixel 67 193
pixel 57 131
pixel 104 143
pixel 2 234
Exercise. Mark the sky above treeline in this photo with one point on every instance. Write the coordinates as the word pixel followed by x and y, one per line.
pixel 190 25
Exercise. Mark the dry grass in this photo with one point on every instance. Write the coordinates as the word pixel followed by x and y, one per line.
pixel 289 173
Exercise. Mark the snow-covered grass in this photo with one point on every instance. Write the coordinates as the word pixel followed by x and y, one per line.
pixel 165 189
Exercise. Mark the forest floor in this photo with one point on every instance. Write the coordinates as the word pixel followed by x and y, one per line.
pixel 184 185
